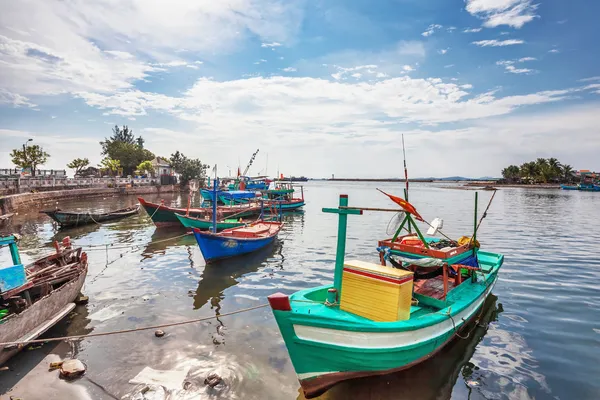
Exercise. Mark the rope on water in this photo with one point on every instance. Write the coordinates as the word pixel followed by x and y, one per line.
pixel 145 328
pixel 103 246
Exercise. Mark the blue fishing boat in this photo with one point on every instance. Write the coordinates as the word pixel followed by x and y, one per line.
pixel 236 241
pixel 229 196
pixel 569 187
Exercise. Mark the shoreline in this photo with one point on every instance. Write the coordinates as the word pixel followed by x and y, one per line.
pixel 14 202
pixel 513 185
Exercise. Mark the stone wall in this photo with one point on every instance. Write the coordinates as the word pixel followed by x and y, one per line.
pixel 16 201
pixel 19 184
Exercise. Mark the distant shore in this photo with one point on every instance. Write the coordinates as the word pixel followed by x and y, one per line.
pixel 513 185
pixel 376 180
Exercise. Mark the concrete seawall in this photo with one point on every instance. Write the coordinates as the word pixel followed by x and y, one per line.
pixel 19 201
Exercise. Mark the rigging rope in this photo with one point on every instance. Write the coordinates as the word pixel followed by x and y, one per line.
pixel 145 328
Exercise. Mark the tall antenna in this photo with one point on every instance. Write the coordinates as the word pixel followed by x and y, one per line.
pixel 405 169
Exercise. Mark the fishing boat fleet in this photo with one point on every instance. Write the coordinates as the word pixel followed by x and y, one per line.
pixel 374 318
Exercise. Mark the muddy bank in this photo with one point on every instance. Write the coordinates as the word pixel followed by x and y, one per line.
pixel 15 202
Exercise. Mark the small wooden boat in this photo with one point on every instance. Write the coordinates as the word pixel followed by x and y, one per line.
pixel 163 215
pixel 206 224
pixel 236 241
pixel 376 319
pixel 282 197
pixel 68 219
pixel 35 297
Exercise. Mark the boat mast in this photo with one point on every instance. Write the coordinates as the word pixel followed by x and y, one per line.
pixel 405 179
pixel 214 207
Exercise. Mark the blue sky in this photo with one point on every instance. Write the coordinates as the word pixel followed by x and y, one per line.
pixel 322 87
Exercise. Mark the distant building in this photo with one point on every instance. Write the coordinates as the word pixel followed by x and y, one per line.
pixel 161 167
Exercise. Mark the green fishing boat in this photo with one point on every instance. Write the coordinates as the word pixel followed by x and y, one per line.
pixel 376 319
pixel 206 224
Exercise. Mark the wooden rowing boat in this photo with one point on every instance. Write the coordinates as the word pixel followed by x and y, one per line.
pixel 206 224
pixel 375 319
pixel 67 219
pixel 35 297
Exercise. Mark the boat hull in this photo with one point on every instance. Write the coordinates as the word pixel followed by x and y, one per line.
pixel 164 216
pixel 216 247
pixel 204 224
pixel 73 219
pixel 568 187
pixel 327 345
pixel 41 311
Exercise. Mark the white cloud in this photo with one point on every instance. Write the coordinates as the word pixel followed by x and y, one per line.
pixel 510 68
pixel 261 61
pixel 411 48
pixel 443 51
pixel 472 30
pixel 381 75
pixel 451 29
pixel 14 99
pixel 513 13
pixel 408 68
pixel 356 75
pixel 289 69
pixel 103 46
pixel 590 79
pixel 498 43
pixel 555 51
pixel 272 44
pixel 431 29
pixel 449 66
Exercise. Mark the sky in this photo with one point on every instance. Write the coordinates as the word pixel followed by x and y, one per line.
pixel 320 87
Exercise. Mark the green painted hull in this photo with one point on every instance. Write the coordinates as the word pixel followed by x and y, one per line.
pixel 328 345
pixel 204 224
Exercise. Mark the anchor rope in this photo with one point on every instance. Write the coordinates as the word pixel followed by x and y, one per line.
pixel 144 328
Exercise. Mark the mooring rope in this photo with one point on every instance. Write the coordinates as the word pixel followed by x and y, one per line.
pixel 145 328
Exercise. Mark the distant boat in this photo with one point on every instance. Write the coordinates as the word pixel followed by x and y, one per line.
pixel 281 197
pixel 67 219
pixel 163 215
pixel 569 187
pixel 39 295
pixel 294 179
pixel 230 196
pixel 236 241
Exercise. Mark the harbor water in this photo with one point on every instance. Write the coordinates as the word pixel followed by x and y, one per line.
pixel 540 338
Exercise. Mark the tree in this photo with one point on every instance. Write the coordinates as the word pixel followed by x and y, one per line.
pixel 529 171
pixel 126 148
pixel 78 165
pixel 145 167
pixel 567 172
pixel 188 169
pixel 511 173
pixel 110 164
pixel 29 157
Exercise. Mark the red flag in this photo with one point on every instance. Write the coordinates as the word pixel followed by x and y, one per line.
pixel 406 206
pixel 239 172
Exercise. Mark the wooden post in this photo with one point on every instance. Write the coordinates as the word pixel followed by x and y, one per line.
pixel 341 243
pixel 445 269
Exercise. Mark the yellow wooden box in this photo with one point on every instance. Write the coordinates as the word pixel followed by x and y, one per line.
pixel 376 292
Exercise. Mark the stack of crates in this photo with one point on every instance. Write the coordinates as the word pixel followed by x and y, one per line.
pixel 379 293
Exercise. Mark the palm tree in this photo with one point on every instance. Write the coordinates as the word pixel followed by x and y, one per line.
pixel 554 166
pixel 529 170
pixel 110 165
pixel 567 172
pixel 511 173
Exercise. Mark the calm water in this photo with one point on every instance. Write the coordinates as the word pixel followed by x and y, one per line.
pixel 542 340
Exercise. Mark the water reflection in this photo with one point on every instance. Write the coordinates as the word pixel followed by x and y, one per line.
pixel 432 379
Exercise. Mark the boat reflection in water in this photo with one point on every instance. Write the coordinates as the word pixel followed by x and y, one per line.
pixel 431 379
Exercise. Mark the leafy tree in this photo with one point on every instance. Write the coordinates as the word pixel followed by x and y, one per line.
pixel 529 170
pixel 110 164
pixel 188 169
pixel 566 172
pixel 145 167
pixel 511 173
pixel 78 165
pixel 126 148
pixel 29 157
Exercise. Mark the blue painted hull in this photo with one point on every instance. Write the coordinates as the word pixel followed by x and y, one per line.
pixel 214 247
pixel 567 187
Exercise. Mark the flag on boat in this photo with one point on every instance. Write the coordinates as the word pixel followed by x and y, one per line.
pixel 239 172
pixel 406 206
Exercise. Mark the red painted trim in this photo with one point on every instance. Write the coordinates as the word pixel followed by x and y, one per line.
pixel 344 196
pixel 379 277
